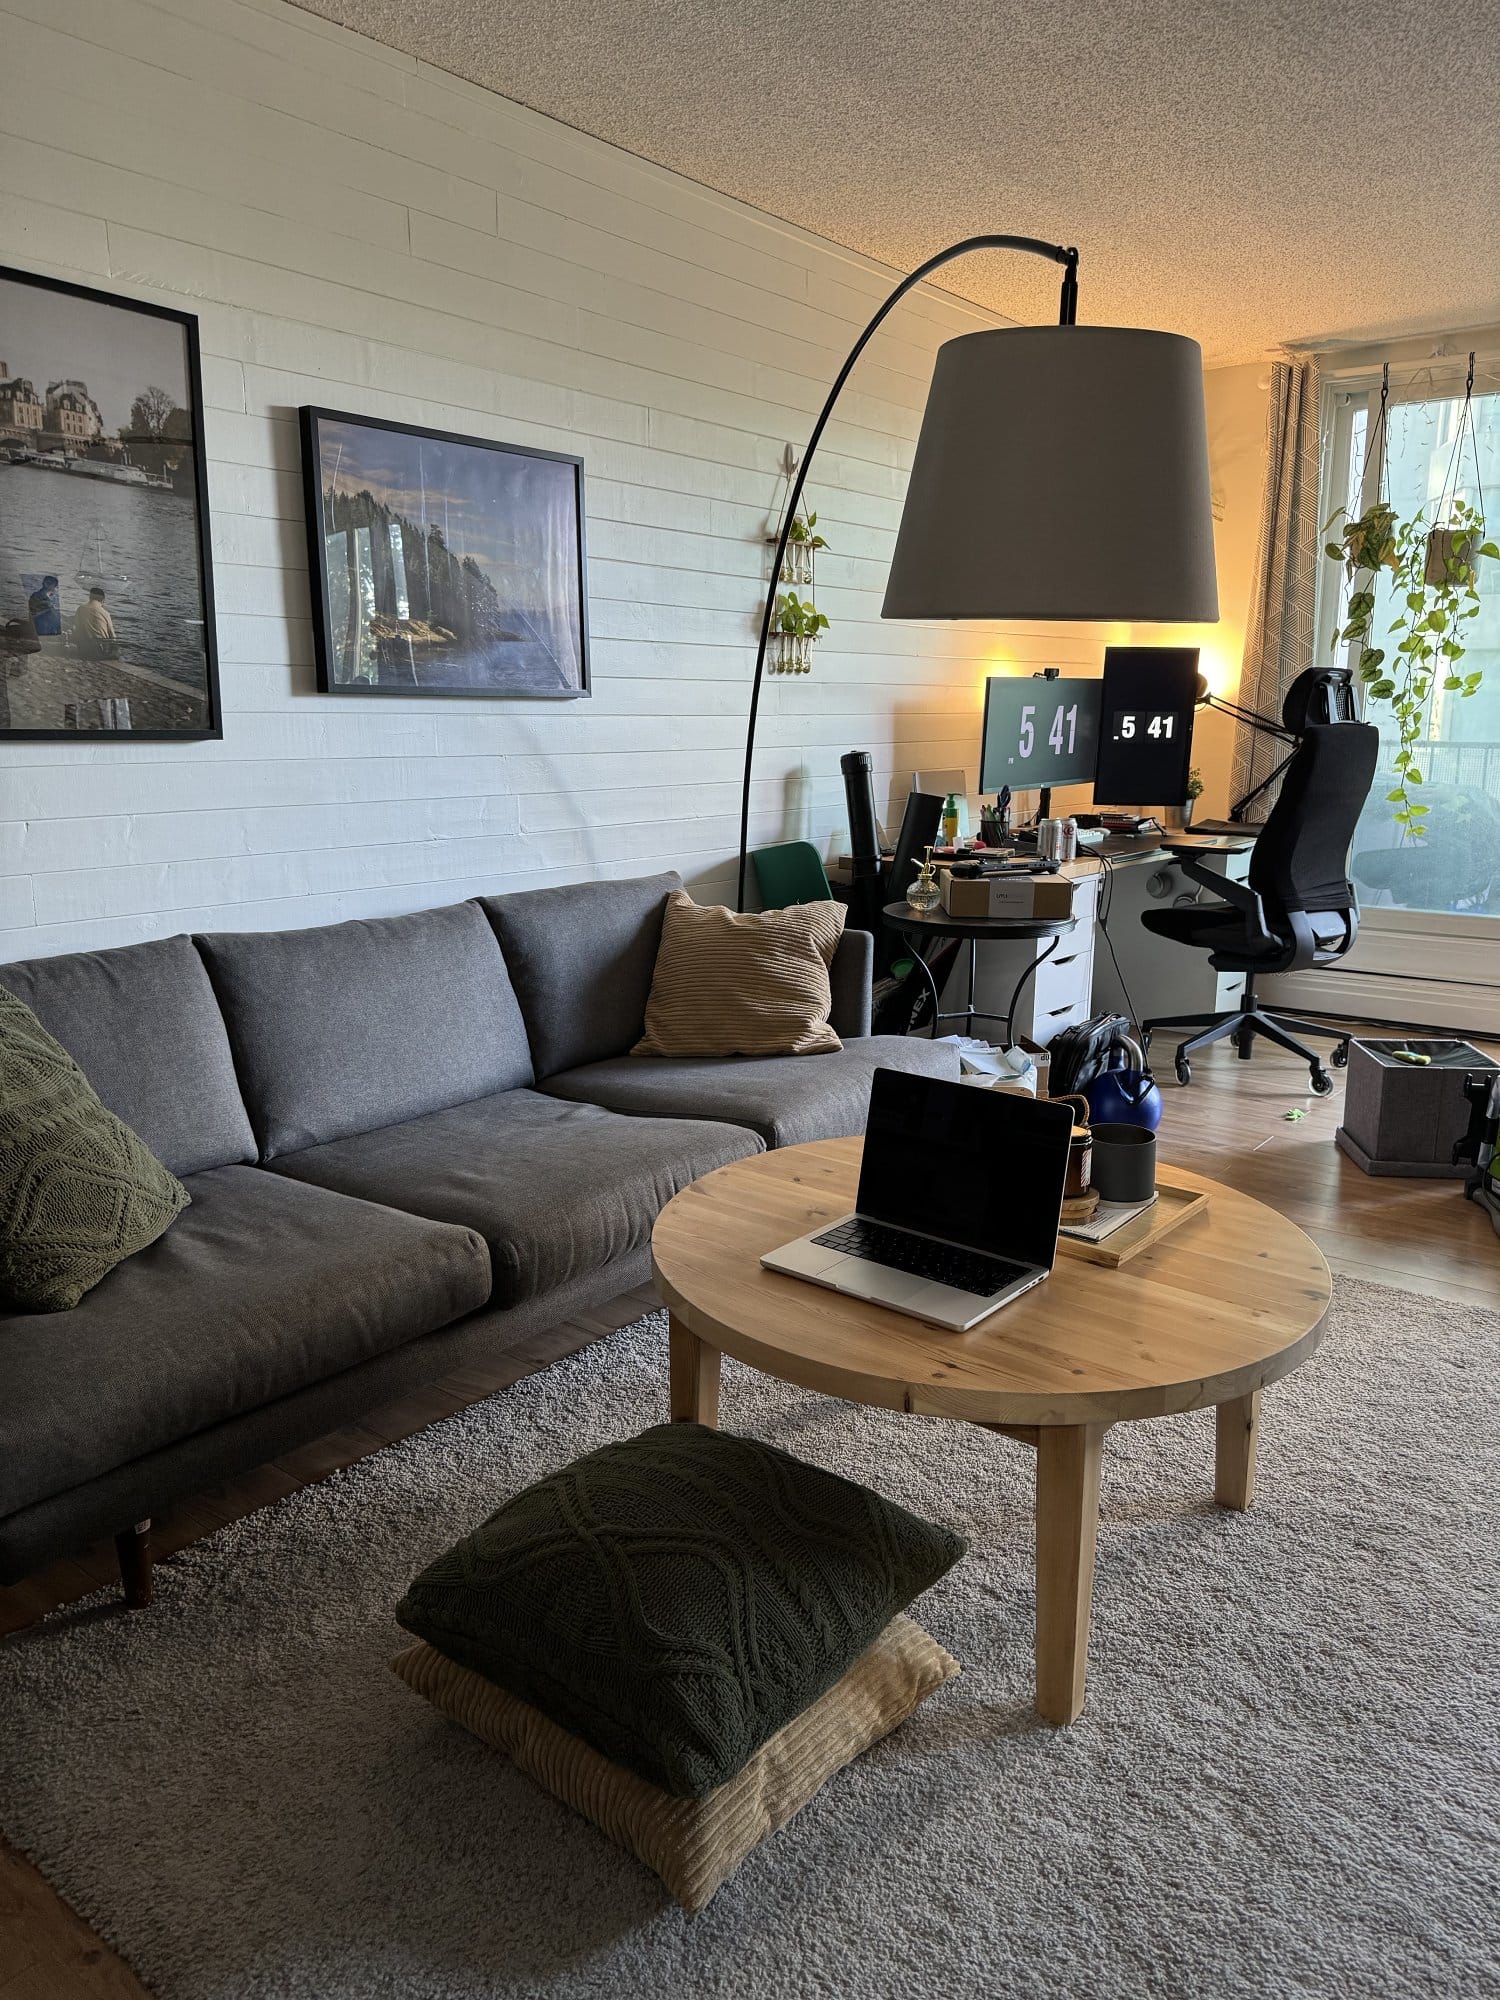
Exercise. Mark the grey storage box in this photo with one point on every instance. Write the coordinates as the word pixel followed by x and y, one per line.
pixel 1403 1117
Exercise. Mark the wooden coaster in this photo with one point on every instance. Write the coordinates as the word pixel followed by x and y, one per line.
pixel 1082 1207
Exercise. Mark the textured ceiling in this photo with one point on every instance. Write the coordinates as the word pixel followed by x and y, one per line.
pixel 1251 172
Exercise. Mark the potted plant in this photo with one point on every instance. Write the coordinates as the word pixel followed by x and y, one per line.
pixel 1182 816
pixel 1435 579
pixel 795 625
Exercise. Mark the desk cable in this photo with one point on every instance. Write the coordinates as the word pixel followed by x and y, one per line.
pixel 1102 917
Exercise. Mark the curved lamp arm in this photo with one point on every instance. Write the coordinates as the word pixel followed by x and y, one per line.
pixel 1067 316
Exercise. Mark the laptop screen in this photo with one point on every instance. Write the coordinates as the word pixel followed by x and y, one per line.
pixel 984 1168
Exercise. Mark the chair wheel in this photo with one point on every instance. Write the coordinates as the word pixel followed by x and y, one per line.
pixel 1185 1071
pixel 1340 1056
pixel 1322 1083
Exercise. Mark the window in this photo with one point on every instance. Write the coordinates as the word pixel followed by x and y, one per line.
pixel 1455 868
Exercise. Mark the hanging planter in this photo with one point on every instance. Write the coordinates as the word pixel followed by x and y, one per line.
pixel 1452 555
pixel 1434 559
pixel 795 626
pixel 790 653
pixel 802 543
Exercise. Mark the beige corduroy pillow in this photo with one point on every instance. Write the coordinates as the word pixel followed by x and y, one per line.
pixel 747 985
pixel 695 1845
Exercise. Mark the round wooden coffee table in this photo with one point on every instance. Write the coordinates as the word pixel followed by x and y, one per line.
pixel 1232 1300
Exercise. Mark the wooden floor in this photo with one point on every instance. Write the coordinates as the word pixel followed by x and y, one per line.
pixel 1230 1124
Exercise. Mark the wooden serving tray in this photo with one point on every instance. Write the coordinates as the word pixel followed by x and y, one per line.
pixel 1173 1206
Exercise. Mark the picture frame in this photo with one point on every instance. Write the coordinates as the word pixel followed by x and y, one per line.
pixel 107 629
pixel 442 564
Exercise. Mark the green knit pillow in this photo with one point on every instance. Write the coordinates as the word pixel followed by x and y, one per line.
pixel 676 1599
pixel 78 1190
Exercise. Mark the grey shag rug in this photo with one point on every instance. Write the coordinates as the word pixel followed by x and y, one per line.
pixel 1285 1782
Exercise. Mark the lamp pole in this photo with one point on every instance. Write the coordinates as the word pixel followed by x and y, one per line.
pixel 1067 316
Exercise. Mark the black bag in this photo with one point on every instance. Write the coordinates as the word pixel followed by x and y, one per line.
pixel 1091 1049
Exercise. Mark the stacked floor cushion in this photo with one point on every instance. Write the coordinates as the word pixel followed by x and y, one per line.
pixel 683 1635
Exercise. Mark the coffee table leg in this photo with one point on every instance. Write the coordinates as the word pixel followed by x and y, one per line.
pixel 1236 1436
pixel 694 1371
pixel 1068 1458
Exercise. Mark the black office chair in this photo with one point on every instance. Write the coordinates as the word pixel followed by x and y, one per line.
pixel 1298 909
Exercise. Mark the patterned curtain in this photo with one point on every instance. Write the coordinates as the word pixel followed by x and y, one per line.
pixel 1280 641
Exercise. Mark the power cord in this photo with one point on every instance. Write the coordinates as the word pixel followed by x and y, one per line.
pixel 1102 919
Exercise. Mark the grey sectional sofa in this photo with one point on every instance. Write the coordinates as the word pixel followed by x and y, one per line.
pixel 410 1142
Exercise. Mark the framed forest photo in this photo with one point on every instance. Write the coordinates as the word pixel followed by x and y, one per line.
pixel 441 564
pixel 106 578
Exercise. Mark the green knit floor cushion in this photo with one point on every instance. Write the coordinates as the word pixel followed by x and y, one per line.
pixel 79 1192
pixel 678 1598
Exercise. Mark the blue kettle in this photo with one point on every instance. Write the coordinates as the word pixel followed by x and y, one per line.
pixel 1127 1096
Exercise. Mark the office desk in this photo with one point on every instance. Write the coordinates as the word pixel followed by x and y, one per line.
pixel 1133 972
pixel 920 924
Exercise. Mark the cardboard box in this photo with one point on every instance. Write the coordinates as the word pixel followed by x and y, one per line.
pixel 1020 896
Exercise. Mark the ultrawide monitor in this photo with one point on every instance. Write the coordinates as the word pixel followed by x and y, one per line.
pixel 1039 732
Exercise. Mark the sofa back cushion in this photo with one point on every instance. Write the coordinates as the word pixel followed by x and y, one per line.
pixel 348 1027
pixel 144 1027
pixel 582 958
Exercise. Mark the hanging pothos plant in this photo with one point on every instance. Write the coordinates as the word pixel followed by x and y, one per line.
pixel 801 532
pixel 1434 559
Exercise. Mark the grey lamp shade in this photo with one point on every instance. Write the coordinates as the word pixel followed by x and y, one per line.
pixel 1061 472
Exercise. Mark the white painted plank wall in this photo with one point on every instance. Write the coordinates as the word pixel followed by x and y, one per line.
pixel 359 230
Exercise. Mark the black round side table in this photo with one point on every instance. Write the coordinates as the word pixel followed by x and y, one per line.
pixel 919 924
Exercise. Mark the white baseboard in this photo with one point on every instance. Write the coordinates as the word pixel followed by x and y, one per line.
pixel 1403 1000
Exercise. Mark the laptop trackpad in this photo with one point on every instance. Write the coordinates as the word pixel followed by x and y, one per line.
pixel 945 1304
pixel 878 1283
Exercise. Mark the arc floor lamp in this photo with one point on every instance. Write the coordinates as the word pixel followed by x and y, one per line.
pixel 1061 472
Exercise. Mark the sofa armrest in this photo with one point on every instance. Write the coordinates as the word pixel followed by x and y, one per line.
pixel 851 975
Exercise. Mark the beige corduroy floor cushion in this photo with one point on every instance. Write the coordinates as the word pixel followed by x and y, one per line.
pixel 695 1845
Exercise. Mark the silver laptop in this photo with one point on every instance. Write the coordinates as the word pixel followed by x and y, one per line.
pixel 960 1195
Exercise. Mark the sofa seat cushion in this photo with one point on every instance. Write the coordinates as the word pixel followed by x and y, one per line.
pixel 787 1100
pixel 556 1189
pixel 261 1287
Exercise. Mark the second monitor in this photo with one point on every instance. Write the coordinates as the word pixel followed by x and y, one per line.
pixel 1146 736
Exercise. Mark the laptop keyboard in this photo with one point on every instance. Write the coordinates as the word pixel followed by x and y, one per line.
pixel 964 1270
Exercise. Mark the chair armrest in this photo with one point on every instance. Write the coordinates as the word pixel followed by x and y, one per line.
pixel 851 976
pixel 1239 895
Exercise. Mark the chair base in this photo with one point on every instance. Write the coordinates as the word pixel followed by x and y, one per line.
pixel 1243 1025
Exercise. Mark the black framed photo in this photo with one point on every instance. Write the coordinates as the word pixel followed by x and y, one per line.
pixel 106 574
pixel 441 564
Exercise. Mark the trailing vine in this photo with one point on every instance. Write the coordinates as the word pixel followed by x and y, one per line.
pixel 1435 573
pixel 1434 565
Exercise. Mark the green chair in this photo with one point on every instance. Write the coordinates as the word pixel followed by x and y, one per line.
pixel 791 873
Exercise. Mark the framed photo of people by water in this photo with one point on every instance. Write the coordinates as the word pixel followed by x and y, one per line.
pixel 441 564
pixel 106 581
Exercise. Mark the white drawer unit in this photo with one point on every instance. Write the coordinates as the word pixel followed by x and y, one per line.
pixel 1058 993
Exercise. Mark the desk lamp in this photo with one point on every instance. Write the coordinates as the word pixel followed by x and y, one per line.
pixel 1061 472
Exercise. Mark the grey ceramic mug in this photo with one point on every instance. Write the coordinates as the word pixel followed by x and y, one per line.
pixel 1124 1162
